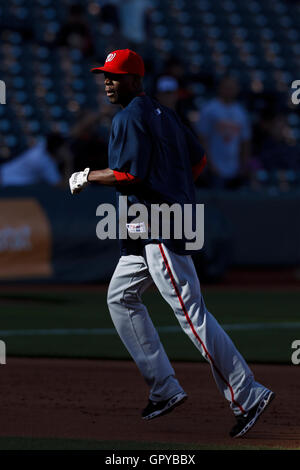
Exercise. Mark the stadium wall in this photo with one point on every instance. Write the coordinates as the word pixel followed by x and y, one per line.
pixel 48 235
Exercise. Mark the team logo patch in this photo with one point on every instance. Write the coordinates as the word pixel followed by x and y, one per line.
pixel 136 228
pixel 110 57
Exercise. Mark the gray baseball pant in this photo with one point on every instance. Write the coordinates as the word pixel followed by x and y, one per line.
pixel 177 281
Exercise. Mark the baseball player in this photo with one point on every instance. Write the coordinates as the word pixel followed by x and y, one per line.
pixel 154 158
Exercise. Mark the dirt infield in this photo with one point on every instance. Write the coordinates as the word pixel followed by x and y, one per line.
pixel 102 400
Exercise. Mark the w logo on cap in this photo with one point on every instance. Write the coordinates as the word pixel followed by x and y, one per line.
pixel 110 57
pixel 122 61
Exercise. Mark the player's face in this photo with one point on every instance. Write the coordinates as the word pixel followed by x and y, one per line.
pixel 119 88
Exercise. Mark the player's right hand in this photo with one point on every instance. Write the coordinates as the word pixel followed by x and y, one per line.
pixel 78 181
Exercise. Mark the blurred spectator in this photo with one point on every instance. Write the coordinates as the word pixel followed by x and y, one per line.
pixel 175 68
pixel 275 160
pixel 185 106
pixel 168 94
pixel 135 19
pixel 88 147
pixel 225 132
pixel 271 142
pixel 109 14
pixel 39 164
pixel 75 32
pixel 167 88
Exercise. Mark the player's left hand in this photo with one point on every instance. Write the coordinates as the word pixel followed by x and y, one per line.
pixel 78 181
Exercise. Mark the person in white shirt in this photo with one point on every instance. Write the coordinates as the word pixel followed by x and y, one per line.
pixel 224 130
pixel 35 165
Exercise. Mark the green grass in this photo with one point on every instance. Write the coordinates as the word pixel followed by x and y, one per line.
pixel 27 443
pixel 87 309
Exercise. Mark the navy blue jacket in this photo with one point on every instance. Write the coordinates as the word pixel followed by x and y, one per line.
pixel 150 142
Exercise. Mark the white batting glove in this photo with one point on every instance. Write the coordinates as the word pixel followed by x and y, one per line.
pixel 78 181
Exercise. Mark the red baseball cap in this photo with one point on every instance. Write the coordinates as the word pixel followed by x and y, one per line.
pixel 122 61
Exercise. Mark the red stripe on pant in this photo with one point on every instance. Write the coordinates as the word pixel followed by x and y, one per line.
pixel 193 329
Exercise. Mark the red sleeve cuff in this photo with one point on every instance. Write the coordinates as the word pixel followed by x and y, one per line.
pixel 123 177
pixel 198 168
